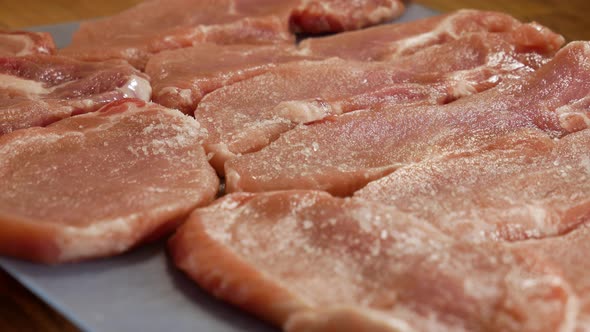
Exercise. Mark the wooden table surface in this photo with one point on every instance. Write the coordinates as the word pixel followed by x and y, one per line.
pixel 22 311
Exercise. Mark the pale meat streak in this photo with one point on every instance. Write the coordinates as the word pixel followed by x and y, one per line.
pixel 181 78
pixel 392 40
pixel 524 185
pixel 321 16
pixel 306 261
pixel 98 184
pixel 21 43
pixel 342 154
pixel 39 90
pixel 244 117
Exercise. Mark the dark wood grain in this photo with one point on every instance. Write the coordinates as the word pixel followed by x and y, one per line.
pixel 22 311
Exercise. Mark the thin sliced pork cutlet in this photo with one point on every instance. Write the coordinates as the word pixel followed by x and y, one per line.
pixel 21 43
pixel 181 78
pixel 157 25
pixel 307 261
pixel 97 184
pixel 322 16
pixel 525 185
pixel 393 40
pixel 342 154
pixel 247 116
pixel 39 90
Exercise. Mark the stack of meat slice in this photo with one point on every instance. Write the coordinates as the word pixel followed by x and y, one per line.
pixel 37 90
pixel 157 25
pixel 457 137
pixel 97 184
pixel 246 116
pixel 445 188
pixel 342 154
pixel 483 169
pixel 181 78
pixel 20 43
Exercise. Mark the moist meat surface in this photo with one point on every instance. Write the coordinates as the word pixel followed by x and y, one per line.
pixel 157 25
pixel 391 40
pixel 38 90
pixel 247 116
pixel 97 184
pixel 342 154
pixel 524 185
pixel 21 43
pixel 309 262
pixel 181 78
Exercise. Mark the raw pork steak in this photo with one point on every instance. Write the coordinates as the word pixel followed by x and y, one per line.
pixel 20 43
pixel 246 116
pixel 525 185
pixel 181 78
pixel 157 25
pixel 320 16
pixel 342 154
pixel 39 90
pixel 97 184
pixel 306 261
pixel 389 41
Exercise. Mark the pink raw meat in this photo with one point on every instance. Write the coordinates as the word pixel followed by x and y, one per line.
pixel 569 252
pixel 320 16
pixel 21 43
pixel 306 261
pixel 97 184
pixel 393 40
pixel 181 78
pixel 246 116
pixel 39 90
pixel 342 154
pixel 157 25
pixel 525 185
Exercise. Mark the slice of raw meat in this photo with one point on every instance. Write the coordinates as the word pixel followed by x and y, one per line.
pixel 320 16
pixel 306 261
pixel 342 154
pixel 181 78
pixel 246 116
pixel 525 185
pixel 389 41
pixel 20 43
pixel 39 90
pixel 570 253
pixel 158 25
pixel 97 184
